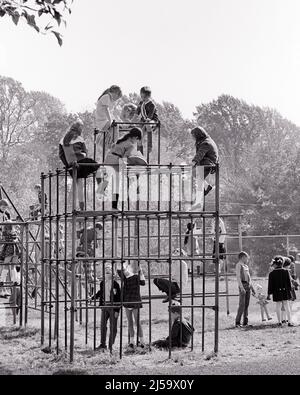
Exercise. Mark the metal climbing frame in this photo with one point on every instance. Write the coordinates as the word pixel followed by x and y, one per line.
pixel 155 207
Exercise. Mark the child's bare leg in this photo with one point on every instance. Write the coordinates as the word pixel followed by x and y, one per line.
pixel 129 316
pixel 80 193
pixel 136 314
pixel 262 312
pixel 278 311
pixel 267 312
pixel 287 310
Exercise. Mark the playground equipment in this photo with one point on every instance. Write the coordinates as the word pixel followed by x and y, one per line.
pixel 156 203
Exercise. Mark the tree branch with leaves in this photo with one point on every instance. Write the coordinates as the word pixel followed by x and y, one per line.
pixel 49 12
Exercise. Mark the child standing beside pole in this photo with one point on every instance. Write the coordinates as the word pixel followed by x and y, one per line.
pixel 132 278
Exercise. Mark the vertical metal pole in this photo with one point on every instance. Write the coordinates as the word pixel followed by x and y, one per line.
pixel 26 276
pixel 217 199
pixel 43 261
pixel 57 265
pixel 226 278
pixel 73 280
pixel 240 233
pixel 50 260
pixel 170 257
pixel 65 259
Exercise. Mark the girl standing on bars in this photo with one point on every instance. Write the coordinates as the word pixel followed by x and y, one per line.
pixel 132 278
pixel 72 149
pixel 103 113
pixel 125 148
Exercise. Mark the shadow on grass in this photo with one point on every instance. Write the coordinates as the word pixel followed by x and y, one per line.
pixel 259 327
pixel 17 333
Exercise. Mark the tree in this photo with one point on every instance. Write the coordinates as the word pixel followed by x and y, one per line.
pixel 48 10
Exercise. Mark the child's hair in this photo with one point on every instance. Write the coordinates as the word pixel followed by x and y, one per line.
pixel 133 132
pixel 292 258
pixel 243 254
pixel 130 107
pixel 286 262
pixel 175 307
pixel 98 225
pixel 37 186
pixel 4 202
pixel 113 89
pixel 277 261
pixel 75 130
pixel 199 133
pixel 146 91
pixel 189 226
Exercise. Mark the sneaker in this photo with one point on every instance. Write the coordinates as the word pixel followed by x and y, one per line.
pixel 101 348
pixel 130 347
pixel 264 320
pixel 140 345
pixel 280 324
pixel 238 325
pixel 283 321
pixel 270 318
pixel 290 324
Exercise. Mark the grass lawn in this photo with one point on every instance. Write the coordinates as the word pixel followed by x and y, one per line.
pixel 265 348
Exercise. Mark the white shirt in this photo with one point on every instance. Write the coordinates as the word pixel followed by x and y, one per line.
pixel 100 114
pixel 176 272
pixel 222 231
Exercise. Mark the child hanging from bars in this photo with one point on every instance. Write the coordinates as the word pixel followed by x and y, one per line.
pixel 132 277
pixel 108 295
pixel 147 111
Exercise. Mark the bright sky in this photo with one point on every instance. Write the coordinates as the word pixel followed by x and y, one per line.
pixel 189 52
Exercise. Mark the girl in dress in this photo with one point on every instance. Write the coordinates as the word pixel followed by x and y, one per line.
pixel 132 278
pixel 126 147
pixel 72 149
pixel 103 113
pixel 280 287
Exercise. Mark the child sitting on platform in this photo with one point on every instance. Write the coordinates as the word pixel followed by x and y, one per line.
pixel 181 331
pixel 72 149
pixel 132 278
pixel 263 302
pixel 109 294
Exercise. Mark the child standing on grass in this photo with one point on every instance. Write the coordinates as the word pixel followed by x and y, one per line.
pixel 263 302
pixel 109 294
pixel 280 287
pixel 9 256
pixel 132 278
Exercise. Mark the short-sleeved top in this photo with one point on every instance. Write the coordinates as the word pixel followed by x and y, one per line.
pixel 119 151
pixel 74 152
pixel 100 114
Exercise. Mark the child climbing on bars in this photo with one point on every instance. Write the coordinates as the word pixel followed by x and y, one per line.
pixel 263 302
pixel 108 295
pixel 9 256
pixel 103 114
pixel 4 215
pixel 35 210
pixel 132 278
pixel 125 148
pixel 147 112
pixel 72 149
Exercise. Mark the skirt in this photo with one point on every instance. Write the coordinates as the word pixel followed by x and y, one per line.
pixel 86 170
